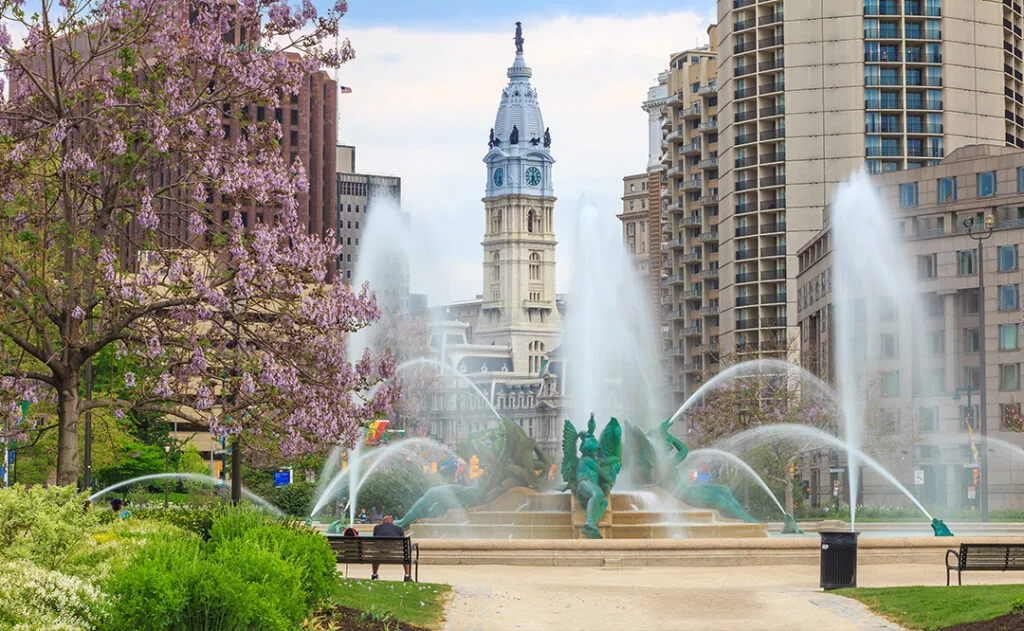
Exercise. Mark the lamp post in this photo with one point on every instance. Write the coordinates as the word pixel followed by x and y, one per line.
pixel 980 235
pixel 167 470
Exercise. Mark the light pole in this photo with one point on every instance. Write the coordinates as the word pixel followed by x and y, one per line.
pixel 167 470
pixel 979 236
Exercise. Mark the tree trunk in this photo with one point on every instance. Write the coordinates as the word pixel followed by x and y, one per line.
pixel 67 432
pixel 789 495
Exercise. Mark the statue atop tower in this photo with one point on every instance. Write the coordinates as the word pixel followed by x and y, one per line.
pixel 519 38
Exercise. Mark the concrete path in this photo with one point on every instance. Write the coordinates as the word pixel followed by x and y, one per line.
pixel 779 598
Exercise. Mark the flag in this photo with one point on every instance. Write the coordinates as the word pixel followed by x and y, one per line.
pixel 345 89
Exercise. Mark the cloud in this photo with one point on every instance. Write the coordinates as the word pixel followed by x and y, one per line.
pixel 424 100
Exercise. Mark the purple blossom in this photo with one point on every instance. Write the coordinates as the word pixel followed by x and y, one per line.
pixel 129 379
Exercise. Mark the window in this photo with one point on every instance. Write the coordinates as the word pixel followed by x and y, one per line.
pixel 987 184
pixel 947 189
pixel 890 348
pixel 1010 416
pixel 534 266
pixel 1009 297
pixel 966 262
pixel 936 305
pixel 1009 377
pixel 936 342
pixel 927 266
pixel 1007 255
pixel 972 377
pixel 929 420
pixel 908 195
pixel 529 221
pixel 1009 337
pixel 295 117
pixel 932 381
pixel 891 383
pixel 1020 180
pixel 970 302
pixel 971 341
pixel 968 416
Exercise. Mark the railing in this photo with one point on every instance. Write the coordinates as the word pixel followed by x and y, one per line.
pixel 883 127
pixel 775 110
pixel 710 198
pixel 771 134
pixel 690 221
pixel 709 273
pixel 771 18
pixel 882 33
pixel 745 231
pixel 778 40
pixel 708 162
pixel 773 204
pixel 744 24
pixel 768 88
pixel 742 71
pixel 709 310
pixel 773 227
pixel 743 47
pixel 742 163
pixel 773 251
pixel 693 110
pixel 747 277
pixel 773 274
pixel 742 255
pixel 743 93
pixel 744 185
pixel 690 294
pixel 708 236
pixel 746 301
pixel 772 299
pixel 778 156
pixel 771 65
pixel 742 117
pixel 743 139
pixel 778 180
pixel 710 87
pixel 747 324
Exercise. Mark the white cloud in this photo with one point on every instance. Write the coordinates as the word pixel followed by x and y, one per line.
pixel 423 102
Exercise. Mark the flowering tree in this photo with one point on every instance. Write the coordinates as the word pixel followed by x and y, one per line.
pixel 111 144
pixel 766 395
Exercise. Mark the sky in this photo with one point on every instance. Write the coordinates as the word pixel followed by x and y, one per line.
pixel 426 84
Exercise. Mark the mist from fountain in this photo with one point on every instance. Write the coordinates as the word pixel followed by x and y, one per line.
pixel 755 367
pixel 343 479
pixel 787 430
pixel 195 477
pixel 423 361
pixel 711 452
pixel 605 368
pixel 874 286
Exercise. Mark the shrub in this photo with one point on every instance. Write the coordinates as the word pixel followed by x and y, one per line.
pixel 42 524
pixel 253 573
pixel 198 520
pixel 303 548
pixel 1017 606
pixel 34 598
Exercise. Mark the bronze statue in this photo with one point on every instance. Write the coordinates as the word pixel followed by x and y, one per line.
pixel 534 142
pixel 513 138
pixel 592 474
pixel 519 38
pixel 547 137
pixel 490 141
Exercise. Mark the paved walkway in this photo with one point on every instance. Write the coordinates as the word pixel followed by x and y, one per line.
pixel 782 598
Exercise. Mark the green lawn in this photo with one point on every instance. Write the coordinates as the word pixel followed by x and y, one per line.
pixel 421 604
pixel 938 607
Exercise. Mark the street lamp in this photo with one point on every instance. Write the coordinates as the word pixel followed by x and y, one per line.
pixel 167 470
pixel 980 235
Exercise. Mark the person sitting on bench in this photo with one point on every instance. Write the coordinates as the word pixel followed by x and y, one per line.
pixel 389 529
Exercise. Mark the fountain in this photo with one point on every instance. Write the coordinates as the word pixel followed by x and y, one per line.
pixel 195 477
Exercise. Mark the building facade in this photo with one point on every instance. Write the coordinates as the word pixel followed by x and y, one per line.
pixel 689 220
pixel 635 220
pixel 812 92
pixel 503 345
pixel 928 421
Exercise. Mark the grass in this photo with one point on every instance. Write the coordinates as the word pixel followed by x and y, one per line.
pixel 421 604
pixel 937 607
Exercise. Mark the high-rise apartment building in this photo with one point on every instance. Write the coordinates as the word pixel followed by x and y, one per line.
pixel 635 221
pixel 817 91
pixel 688 243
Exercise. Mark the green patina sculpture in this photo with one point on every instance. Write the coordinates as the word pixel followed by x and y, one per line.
pixel 789 526
pixel 508 457
pixel 941 529
pixel 592 474
pixel 664 471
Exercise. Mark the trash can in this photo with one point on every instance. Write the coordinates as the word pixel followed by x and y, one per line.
pixel 838 559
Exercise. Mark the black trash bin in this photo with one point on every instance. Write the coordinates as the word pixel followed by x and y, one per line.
pixel 838 559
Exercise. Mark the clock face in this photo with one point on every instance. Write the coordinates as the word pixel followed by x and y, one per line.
pixel 533 176
pixel 499 177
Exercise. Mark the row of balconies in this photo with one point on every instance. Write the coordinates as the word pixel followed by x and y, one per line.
pixel 766 299
pixel 770 274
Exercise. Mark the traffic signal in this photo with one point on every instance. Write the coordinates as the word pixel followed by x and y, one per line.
pixel 474 468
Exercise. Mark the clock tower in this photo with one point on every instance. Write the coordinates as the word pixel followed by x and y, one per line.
pixel 518 308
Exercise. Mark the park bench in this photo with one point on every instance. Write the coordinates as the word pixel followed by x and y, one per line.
pixel 986 557
pixel 382 550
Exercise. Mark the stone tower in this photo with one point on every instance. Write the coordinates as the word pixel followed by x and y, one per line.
pixel 519 309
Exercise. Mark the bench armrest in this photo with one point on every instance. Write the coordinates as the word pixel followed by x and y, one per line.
pixel 956 554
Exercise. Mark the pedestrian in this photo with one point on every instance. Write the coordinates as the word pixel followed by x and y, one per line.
pixel 362 515
pixel 117 505
pixel 388 529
